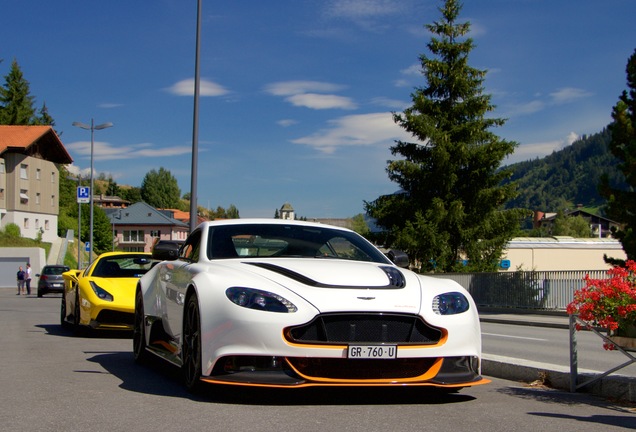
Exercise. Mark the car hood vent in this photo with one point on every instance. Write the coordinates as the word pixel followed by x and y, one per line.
pixel 396 278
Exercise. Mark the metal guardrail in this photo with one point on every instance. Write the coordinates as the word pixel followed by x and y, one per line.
pixel 533 290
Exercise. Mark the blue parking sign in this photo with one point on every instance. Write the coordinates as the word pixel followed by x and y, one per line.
pixel 83 194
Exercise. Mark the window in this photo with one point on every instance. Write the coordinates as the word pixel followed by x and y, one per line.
pixel 52 200
pixel 46 224
pixel 24 198
pixel 1 193
pixel 190 249
pixel 37 224
pixel 134 249
pixel 155 233
pixel 133 236
pixel 37 198
pixel 26 223
pixel 52 176
pixel 2 171
pixel 23 171
pixel 37 174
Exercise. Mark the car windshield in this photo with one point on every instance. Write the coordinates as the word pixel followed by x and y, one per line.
pixel 122 266
pixel 54 270
pixel 279 240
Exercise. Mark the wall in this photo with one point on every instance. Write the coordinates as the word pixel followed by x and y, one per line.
pixel 561 253
pixel 12 258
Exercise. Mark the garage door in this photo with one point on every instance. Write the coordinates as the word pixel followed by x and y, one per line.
pixel 9 269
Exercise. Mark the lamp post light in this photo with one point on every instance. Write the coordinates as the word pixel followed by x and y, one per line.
pixel 92 128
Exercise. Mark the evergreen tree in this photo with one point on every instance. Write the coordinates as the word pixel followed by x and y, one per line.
pixel 450 205
pixel 160 189
pixel 44 118
pixel 16 103
pixel 621 204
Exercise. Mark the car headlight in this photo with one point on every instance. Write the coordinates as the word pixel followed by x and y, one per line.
pixel 101 292
pixel 260 300
pixel 450 303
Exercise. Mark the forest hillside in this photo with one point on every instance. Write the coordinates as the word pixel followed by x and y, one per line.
pixel 568 177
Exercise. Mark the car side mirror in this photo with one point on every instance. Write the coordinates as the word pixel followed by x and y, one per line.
pixel 165 251
pixel 399 258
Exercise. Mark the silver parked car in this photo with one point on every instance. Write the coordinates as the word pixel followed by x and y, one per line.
pixel 51 280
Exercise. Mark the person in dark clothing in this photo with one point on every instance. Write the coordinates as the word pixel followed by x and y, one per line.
pixel 21 280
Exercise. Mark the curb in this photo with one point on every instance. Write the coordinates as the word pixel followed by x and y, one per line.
pixel 618 387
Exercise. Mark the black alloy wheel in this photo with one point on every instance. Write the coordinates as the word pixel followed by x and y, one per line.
pixel 139 331
pixel 191 350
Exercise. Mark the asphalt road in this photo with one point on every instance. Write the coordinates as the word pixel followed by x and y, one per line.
pixel 52 380
pixel 551 346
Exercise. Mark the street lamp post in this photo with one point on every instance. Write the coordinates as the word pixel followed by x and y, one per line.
pixel 79 225
pixel 92 128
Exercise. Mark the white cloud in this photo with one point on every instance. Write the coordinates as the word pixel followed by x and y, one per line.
pixel 414 70
pixel 390 103
pixel 105 151
pixel 568 94
pixel 286 122
pixel 356 130
pixel 304 94
pixel 110 105
pixel 289 88
pixel 206 88
pixel 525 152
pixel 356 9
pixel 318 101
pixel 524 109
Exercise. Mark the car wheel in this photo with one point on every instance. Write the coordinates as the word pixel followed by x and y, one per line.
pixel 139 331
pixel 191 351
pixel 40 293
pixel 76 313
pixel 65 324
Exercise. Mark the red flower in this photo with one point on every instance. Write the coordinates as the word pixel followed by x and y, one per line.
pixel 608 303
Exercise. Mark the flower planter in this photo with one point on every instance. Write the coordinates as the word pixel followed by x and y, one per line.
pixel 625 337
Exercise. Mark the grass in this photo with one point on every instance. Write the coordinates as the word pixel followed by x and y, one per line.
pixel 70 259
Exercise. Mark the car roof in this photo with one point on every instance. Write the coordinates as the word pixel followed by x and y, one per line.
pixel 264 221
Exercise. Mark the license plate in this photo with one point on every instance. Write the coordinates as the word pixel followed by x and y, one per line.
pixel 372 351
pixel 56 285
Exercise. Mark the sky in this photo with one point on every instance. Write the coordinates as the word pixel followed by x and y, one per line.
pixel 296 96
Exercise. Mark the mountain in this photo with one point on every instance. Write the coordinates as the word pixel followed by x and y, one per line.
pixel 568 177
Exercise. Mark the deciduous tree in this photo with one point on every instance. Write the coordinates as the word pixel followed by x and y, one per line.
pixel 160 189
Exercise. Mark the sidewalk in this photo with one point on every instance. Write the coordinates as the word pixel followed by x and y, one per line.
pixel 548 319
pixel 618 387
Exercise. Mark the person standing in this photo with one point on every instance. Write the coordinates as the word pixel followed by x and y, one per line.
pixel 21 277
pixel 28 278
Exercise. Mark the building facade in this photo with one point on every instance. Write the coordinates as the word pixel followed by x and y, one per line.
pixel 139 226
pixel 29 179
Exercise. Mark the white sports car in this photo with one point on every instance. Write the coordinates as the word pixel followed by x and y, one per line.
pixel 279 303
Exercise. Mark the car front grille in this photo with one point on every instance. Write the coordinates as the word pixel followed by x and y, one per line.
pixel 368 369
pixel 114 317
pixel 365 328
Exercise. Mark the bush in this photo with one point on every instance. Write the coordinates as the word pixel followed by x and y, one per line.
pixel 12 230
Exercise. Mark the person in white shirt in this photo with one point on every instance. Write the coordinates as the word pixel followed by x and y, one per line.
pixel 28 278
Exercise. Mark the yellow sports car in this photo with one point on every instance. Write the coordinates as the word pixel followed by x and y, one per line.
pixel 102 296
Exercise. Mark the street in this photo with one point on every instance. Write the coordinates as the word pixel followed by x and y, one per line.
pixel 53 380
pixel 551 346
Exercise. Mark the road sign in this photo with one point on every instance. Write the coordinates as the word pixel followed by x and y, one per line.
pixel 88 247
pixel 83 194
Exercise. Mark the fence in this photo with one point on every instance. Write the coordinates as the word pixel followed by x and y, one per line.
pixel 538 290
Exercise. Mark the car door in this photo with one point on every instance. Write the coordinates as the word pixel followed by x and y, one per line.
pixel 178 280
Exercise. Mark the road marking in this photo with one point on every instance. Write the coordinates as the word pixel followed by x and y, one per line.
pixel 514 337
